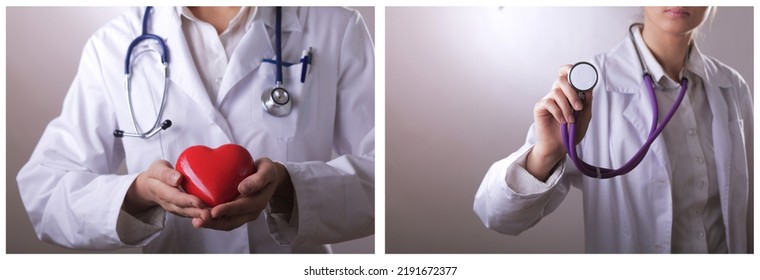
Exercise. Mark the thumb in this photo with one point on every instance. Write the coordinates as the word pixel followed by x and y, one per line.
pixel 162 170
pixel 252 184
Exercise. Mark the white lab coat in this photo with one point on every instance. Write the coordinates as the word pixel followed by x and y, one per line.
pixel 73 196
pixel 631 213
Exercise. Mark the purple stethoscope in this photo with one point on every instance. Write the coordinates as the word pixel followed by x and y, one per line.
pixel 583 77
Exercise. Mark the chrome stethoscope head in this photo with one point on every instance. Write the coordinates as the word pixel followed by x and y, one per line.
pixel 276 101
pixel 582 77
pixel 158 125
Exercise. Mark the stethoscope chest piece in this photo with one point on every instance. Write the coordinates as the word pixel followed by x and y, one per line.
pixel 583 77
pixel 276 101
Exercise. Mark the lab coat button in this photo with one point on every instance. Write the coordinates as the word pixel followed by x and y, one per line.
pixel 692 131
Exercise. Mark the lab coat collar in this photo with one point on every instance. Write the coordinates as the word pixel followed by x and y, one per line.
pixel 166 23
pixel 243 18
pixel 694 63
pixel 631 82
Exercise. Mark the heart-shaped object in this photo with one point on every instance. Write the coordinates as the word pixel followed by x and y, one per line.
pixel 213 175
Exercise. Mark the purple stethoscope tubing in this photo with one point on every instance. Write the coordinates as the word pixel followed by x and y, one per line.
pixel 568 130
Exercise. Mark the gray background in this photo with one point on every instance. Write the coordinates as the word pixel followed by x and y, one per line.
pixel 43 50
pixel 461 84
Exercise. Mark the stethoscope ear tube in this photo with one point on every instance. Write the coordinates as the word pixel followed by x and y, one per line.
pixel 120 133
pixel 164 54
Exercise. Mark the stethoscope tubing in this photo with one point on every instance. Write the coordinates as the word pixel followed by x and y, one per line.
pixel 568 132
pixel 164 54
pixel 278 41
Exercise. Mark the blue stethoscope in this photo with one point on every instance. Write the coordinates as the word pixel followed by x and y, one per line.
pixel 583 77
pixel 276 101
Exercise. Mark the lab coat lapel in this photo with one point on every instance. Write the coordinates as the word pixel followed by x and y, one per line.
pixel 639 114
pixel 257 45
pixel 722 145
pixel 639 111
pixel 182 69
pixel 247 56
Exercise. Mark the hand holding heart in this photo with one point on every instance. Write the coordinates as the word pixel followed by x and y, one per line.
pixel 237 197
pixel 159 186
pixel 255 192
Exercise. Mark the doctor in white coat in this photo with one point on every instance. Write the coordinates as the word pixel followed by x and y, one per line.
pixel 315 180
pixel 693 190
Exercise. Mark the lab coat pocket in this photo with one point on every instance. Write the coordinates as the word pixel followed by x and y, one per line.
pixel 302 117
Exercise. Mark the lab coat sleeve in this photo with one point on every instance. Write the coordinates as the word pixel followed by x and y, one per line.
pixel 68 186
pixel 510 200
pixel 335 199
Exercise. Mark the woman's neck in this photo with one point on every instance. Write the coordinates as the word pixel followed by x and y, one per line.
pixel 669 49
pixel 219 17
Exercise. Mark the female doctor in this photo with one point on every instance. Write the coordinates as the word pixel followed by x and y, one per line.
pixel 220 61
pixel 692 190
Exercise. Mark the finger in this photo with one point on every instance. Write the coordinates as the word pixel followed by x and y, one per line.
pixel 198 213
pixel 254 183
pixel 227 224
pixel 198 222
pixel 241 206
pixel 548 104
pixel 174 196
pixel 187 212
pixel 560 98
pixel 265 174
pixel 162 170
pixel 570 92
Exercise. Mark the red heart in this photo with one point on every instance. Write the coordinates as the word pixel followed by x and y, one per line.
pixel 213 175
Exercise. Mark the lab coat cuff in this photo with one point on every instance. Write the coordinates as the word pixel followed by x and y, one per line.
pixel 284 227
pixel 524 184
pixel 283 230
pixel 139 229
pixel 136 230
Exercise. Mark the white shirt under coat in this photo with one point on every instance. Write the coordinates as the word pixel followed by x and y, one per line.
pixel 697 222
